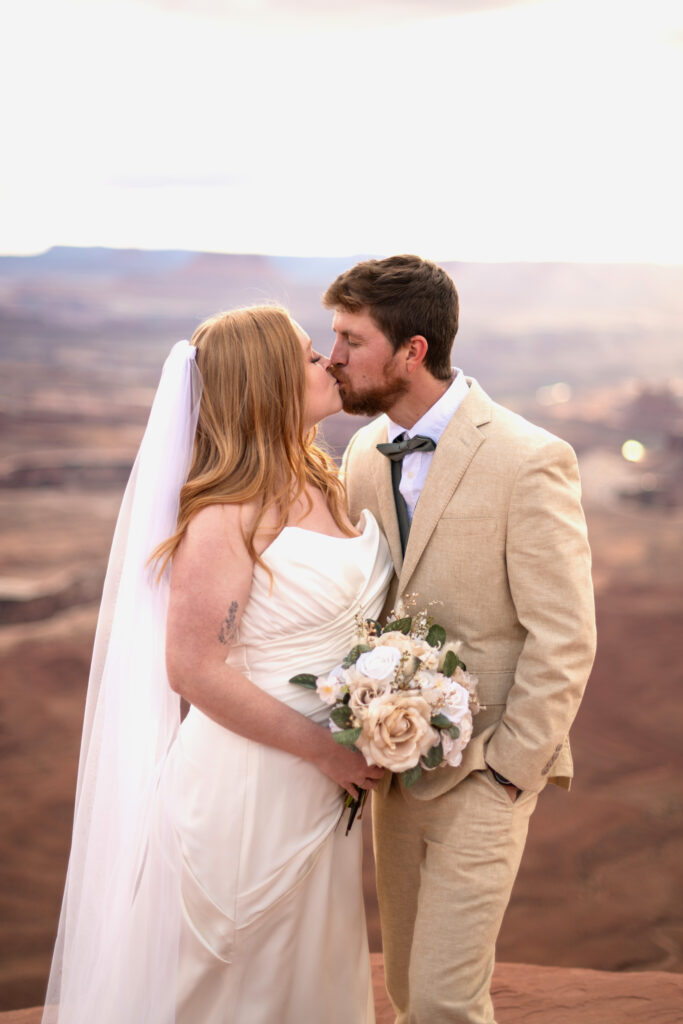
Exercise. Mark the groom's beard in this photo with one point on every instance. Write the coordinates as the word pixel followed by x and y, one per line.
pixel 372 400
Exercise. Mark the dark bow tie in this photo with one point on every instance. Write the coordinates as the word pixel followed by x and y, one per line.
pixel 395 450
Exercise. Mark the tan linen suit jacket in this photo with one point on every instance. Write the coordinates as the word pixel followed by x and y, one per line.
pixel 499 539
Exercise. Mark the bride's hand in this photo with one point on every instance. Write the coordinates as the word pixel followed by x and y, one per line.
pixel 349 769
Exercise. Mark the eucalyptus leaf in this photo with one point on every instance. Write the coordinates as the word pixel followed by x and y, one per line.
pixel 440 721
pixel 433 757
pixel 305 679
pixel 347 737
pixel 354 654
pixel 341 716
pixel 450 663
pixel 436 637
pixel 398 626
pixel 410 777
pixel 453 732
pixel 377 627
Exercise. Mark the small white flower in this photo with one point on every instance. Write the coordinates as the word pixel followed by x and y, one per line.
pixel 380 663
pixel 331 687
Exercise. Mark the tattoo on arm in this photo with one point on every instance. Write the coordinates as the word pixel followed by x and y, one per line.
pixel 228 626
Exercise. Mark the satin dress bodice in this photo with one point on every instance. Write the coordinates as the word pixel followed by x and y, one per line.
pixel 274 925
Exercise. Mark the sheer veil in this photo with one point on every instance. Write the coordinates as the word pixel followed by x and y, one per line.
pixel 116 953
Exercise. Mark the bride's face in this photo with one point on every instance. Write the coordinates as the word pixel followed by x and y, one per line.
pixel 322 390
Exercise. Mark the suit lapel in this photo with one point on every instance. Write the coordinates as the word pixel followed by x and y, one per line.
pixel 454 453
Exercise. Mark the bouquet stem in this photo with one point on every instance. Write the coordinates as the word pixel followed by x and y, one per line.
pixel 356 807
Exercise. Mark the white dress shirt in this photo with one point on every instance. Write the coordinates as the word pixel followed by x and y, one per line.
pixel 432 424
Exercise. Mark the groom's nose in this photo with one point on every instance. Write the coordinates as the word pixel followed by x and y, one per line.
pixel 337 355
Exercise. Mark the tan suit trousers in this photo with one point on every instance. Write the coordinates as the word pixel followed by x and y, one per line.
pixel 445 870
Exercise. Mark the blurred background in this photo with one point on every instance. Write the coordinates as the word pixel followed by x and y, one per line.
pixel 164 163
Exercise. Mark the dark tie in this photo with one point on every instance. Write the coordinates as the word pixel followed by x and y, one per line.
pixel 395 450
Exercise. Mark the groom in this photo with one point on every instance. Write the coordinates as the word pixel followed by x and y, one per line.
pixel 482 514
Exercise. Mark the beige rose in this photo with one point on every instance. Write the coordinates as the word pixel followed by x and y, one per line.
pixel 363 693
pixel 401 641
pixel 396 731
pixel 420 649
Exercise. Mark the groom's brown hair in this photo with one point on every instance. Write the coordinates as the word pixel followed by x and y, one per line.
pixel 405 296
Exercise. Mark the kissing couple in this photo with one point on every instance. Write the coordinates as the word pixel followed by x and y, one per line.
pixel 208 881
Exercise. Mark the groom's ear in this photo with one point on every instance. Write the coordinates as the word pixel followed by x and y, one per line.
pixel 415 352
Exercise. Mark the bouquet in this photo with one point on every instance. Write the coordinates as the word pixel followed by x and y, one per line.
pixel 402 696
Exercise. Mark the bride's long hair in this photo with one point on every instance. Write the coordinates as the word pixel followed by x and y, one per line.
pixel 251 443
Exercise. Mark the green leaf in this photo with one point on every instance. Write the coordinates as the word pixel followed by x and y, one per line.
pixel 304 679
pixel 450 663
pixel 341 715
pixel 453 732
pixel 376 624
pixel 398 626
pixel 433 757
pixel 410 777
pixel 436 637
pixel 440 721
pixel 354 654
pixel 347 737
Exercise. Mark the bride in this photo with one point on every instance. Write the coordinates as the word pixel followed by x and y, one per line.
pixel 208 881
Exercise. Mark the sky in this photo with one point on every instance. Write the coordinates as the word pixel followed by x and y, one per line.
pixel 457 129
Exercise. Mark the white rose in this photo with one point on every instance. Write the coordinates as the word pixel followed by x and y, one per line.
pixel 452 749
pixel 396 731
pixel 380 663
pixel 457 704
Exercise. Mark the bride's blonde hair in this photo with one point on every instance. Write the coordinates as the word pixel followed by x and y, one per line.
pixel 251 443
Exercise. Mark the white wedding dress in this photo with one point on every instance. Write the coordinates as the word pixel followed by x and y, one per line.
pixel 273 924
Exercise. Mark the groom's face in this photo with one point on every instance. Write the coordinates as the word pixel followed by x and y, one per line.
pixel 367 368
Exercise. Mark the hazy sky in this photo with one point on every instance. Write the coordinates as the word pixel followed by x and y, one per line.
pixel 545 129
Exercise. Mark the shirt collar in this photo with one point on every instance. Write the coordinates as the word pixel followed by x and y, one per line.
pixel 439 415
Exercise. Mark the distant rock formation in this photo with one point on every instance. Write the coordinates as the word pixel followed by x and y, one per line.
pixel 24 600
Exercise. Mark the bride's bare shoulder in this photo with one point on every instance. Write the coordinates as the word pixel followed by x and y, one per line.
pixel 222 529
pixel 216 532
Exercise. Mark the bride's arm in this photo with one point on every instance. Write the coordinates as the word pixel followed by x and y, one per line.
pixel 210 585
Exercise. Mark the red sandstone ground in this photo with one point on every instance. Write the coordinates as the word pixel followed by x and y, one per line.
pixel 523 994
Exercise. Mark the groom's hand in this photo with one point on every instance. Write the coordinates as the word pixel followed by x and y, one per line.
pixel 512 790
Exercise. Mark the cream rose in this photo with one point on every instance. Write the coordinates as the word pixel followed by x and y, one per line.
pixel 420 649
pixel 394 639
pixel 380 663
pixel 396 731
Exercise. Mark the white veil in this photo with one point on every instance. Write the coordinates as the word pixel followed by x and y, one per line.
pixel 116 954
